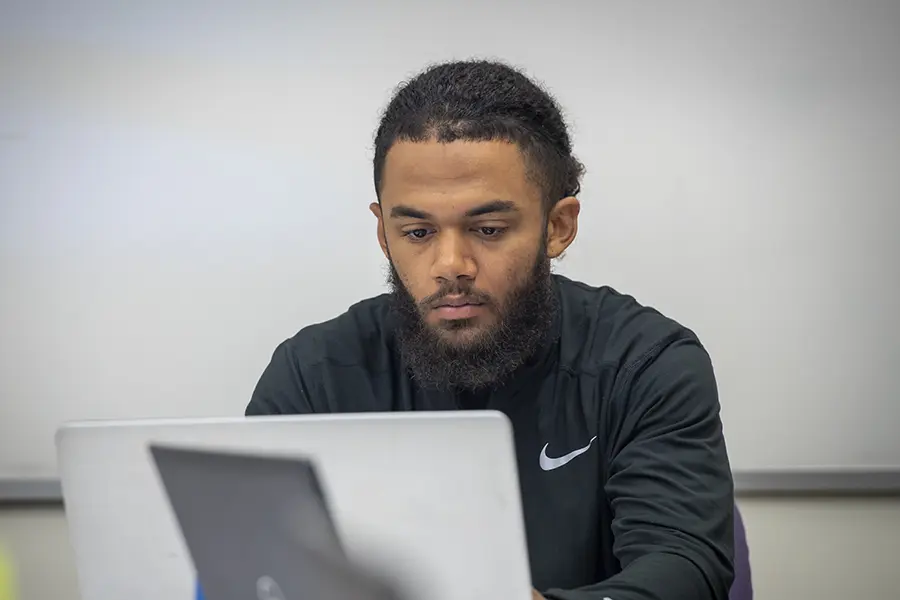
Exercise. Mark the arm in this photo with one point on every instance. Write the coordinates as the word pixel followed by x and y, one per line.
pixel 669 485
pixel 281 389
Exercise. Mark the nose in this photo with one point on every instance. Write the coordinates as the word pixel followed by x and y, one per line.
pixel 453 259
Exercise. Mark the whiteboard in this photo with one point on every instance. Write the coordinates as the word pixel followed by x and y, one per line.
pixel 184 185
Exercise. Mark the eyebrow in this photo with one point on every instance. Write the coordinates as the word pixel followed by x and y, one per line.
pixel 494 206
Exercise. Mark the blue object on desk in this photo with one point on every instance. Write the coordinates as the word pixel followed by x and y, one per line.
pixel 199 592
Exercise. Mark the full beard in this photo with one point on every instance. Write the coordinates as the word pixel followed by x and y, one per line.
pixel 494 354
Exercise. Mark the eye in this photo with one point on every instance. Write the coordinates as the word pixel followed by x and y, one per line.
pixel 491 232
pixel 416 235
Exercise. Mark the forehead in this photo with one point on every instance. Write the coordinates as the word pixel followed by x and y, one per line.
pixel 461 172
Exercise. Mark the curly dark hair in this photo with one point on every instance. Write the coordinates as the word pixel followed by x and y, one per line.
pixel 482 100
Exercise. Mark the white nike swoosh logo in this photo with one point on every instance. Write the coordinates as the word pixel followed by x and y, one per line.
pixel 548 464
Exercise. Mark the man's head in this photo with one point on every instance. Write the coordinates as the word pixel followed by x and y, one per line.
pixel 476 186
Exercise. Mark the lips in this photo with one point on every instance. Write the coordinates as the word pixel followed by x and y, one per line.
pixel 453 308
pixel 457 302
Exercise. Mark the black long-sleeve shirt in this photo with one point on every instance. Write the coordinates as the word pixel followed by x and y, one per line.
pixel 626 485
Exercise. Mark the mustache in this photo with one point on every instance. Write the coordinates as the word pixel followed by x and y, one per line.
pixel 471 294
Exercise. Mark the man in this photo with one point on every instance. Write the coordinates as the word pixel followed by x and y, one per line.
pixel 627 490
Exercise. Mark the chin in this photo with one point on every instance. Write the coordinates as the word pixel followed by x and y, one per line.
pixel 460 333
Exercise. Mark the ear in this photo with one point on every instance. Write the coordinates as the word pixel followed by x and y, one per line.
pixel 382 241
pixel 562 225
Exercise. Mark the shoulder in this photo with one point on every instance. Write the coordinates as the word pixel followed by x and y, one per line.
pixel 641 361
pixel 348 348
pixel 352 338
pixel 603 329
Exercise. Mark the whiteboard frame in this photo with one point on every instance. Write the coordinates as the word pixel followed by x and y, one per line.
pixel 834 482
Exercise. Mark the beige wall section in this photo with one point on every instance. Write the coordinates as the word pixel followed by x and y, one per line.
pixel 38 540
pixel 824 549
pixel 821 549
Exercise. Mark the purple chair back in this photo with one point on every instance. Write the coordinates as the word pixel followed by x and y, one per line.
pixel 742 588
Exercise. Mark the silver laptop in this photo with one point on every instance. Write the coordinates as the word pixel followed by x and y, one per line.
pixel 260 527
pixel 431 500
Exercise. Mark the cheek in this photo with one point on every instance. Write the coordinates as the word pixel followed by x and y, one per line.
pixel 502 279
pixel 412 278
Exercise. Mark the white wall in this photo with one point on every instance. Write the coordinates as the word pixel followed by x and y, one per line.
pixel 823 549
pixel 182 187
